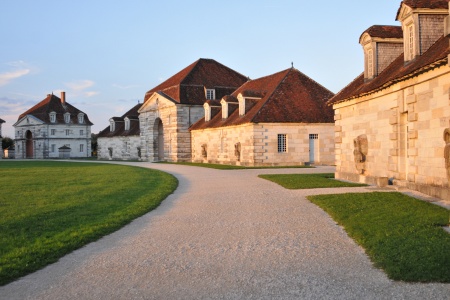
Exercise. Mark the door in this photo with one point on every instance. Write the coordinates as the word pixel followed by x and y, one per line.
pixel 160 141
pixel 313 147
pixel 29 144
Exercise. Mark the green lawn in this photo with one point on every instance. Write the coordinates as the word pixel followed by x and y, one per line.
pixel 402 235
pixel 308 181
pixel 48 209
pixel 230 167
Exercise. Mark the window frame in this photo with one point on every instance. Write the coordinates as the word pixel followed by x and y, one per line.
pixel 210 94
pixel 282 143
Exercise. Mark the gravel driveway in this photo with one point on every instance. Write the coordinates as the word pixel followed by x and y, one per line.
pixel 223 235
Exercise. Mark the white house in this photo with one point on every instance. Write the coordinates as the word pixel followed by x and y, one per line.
pixel 51 125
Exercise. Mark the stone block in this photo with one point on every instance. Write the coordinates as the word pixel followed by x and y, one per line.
pixel 382 181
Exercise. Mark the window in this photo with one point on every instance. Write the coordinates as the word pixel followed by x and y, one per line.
pixel 370 63
pixel 53 148
pixel 80 118
pixel 314 136
pixel 81 148
pixel 53 131
pixel 282 143
pixel 127 124
pixel 111 125
pixel 210 94
pixel 81 132
pixel 52 117
pixel 411 42
pixel 67 131
pixel 67 117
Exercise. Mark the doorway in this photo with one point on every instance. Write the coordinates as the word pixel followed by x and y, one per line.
pixel 29 144
pixel 313 147
pixel 160 140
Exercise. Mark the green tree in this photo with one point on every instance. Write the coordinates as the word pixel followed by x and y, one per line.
pixel 7 142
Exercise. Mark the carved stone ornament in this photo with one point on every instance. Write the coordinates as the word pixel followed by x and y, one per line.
pixel 361 148
pixel 204 150
pixel 237 151
pixel 447 152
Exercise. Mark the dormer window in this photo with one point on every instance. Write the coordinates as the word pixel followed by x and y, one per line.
pixel 112 125
pixel 241 105
pixel 67 117
pixel 80 118
pixel 210 94
pixel 410 44
pixel 207 112
pixel 52 117
pixel 370 63
pixel 127 123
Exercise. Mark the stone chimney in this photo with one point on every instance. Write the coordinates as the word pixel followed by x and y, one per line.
pixel 382 44
pixel 63 97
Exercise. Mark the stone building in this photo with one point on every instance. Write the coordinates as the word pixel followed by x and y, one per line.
pixel 281 119
pixel 393 121
pixel 51 125
pixel 121 140
pixel 172 107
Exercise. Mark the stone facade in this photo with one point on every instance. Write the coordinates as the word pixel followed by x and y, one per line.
pixel 258 145
pixel 49 125
pixel 119 148
pixel 403 115
pixel 165 129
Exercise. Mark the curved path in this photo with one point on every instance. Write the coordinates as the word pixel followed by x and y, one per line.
pixel 223 235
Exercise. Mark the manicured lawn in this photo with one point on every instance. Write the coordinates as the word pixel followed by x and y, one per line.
pixel 229 167
pixel 308 181
pixel 48 209
pixel 401 235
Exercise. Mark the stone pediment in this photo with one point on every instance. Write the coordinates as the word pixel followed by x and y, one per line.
pixel 28 120
pixel 157 101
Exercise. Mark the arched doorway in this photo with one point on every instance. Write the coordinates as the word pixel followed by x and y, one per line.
pixel 29 144
pixel 160 139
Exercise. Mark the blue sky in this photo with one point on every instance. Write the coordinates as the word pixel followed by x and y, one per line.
pixel 107 54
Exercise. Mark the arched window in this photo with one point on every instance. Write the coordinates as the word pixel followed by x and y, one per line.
pixel 80 118
pixel 127 123
pixel 67 117
pixel 112 125
pixel 52 117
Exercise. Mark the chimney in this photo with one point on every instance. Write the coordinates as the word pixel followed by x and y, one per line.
pixel 63 97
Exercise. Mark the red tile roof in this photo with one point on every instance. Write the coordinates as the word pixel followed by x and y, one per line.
pixel 53 103
pixel 430 4
pixel 133 115
pixel 384 31
pixel 287 97
pixel 397 71
pixel 188 85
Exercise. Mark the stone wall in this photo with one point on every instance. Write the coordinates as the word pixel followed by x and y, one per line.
pixel 257 144
pixel 119 148
pixel 404 126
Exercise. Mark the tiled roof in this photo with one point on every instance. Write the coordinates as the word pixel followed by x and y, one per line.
pixel 430 4
pixel 53 103
pixel 188 85
pixel 384 31
pixel 133 115
pixel 287 97
pixel 397 71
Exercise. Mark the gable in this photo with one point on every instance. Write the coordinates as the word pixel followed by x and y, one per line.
pixel 28 120
pixel 157 101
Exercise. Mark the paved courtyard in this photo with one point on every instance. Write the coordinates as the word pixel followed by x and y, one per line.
pixel 223 235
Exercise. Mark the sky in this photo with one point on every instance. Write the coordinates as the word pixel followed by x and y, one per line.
pixel 106 54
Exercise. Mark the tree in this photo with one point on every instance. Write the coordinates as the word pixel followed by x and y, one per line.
pixel 94 144
pixel 7 142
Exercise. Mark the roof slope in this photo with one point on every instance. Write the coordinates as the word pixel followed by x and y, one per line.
pixel 187 86
pixel 395 72
pixel 384 31
pixel 133 115
pixel 2 121
pixel 428 4
pixel 53 103
pixel 288 96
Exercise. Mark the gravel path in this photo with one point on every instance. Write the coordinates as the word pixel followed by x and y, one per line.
pixel 223 235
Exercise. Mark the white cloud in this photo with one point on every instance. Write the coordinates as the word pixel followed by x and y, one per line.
pixel 90 94
pixel 79 85
pixel 6 78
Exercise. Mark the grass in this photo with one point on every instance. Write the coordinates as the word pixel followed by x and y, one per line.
pixel 48 209
pixel 401 235
pixel 308 181
pixel 230 167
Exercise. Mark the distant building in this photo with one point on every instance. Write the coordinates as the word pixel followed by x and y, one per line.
pixel 1 138
pixel 281 119
pixel 393 121
pixel 49 125
pixel 121 140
